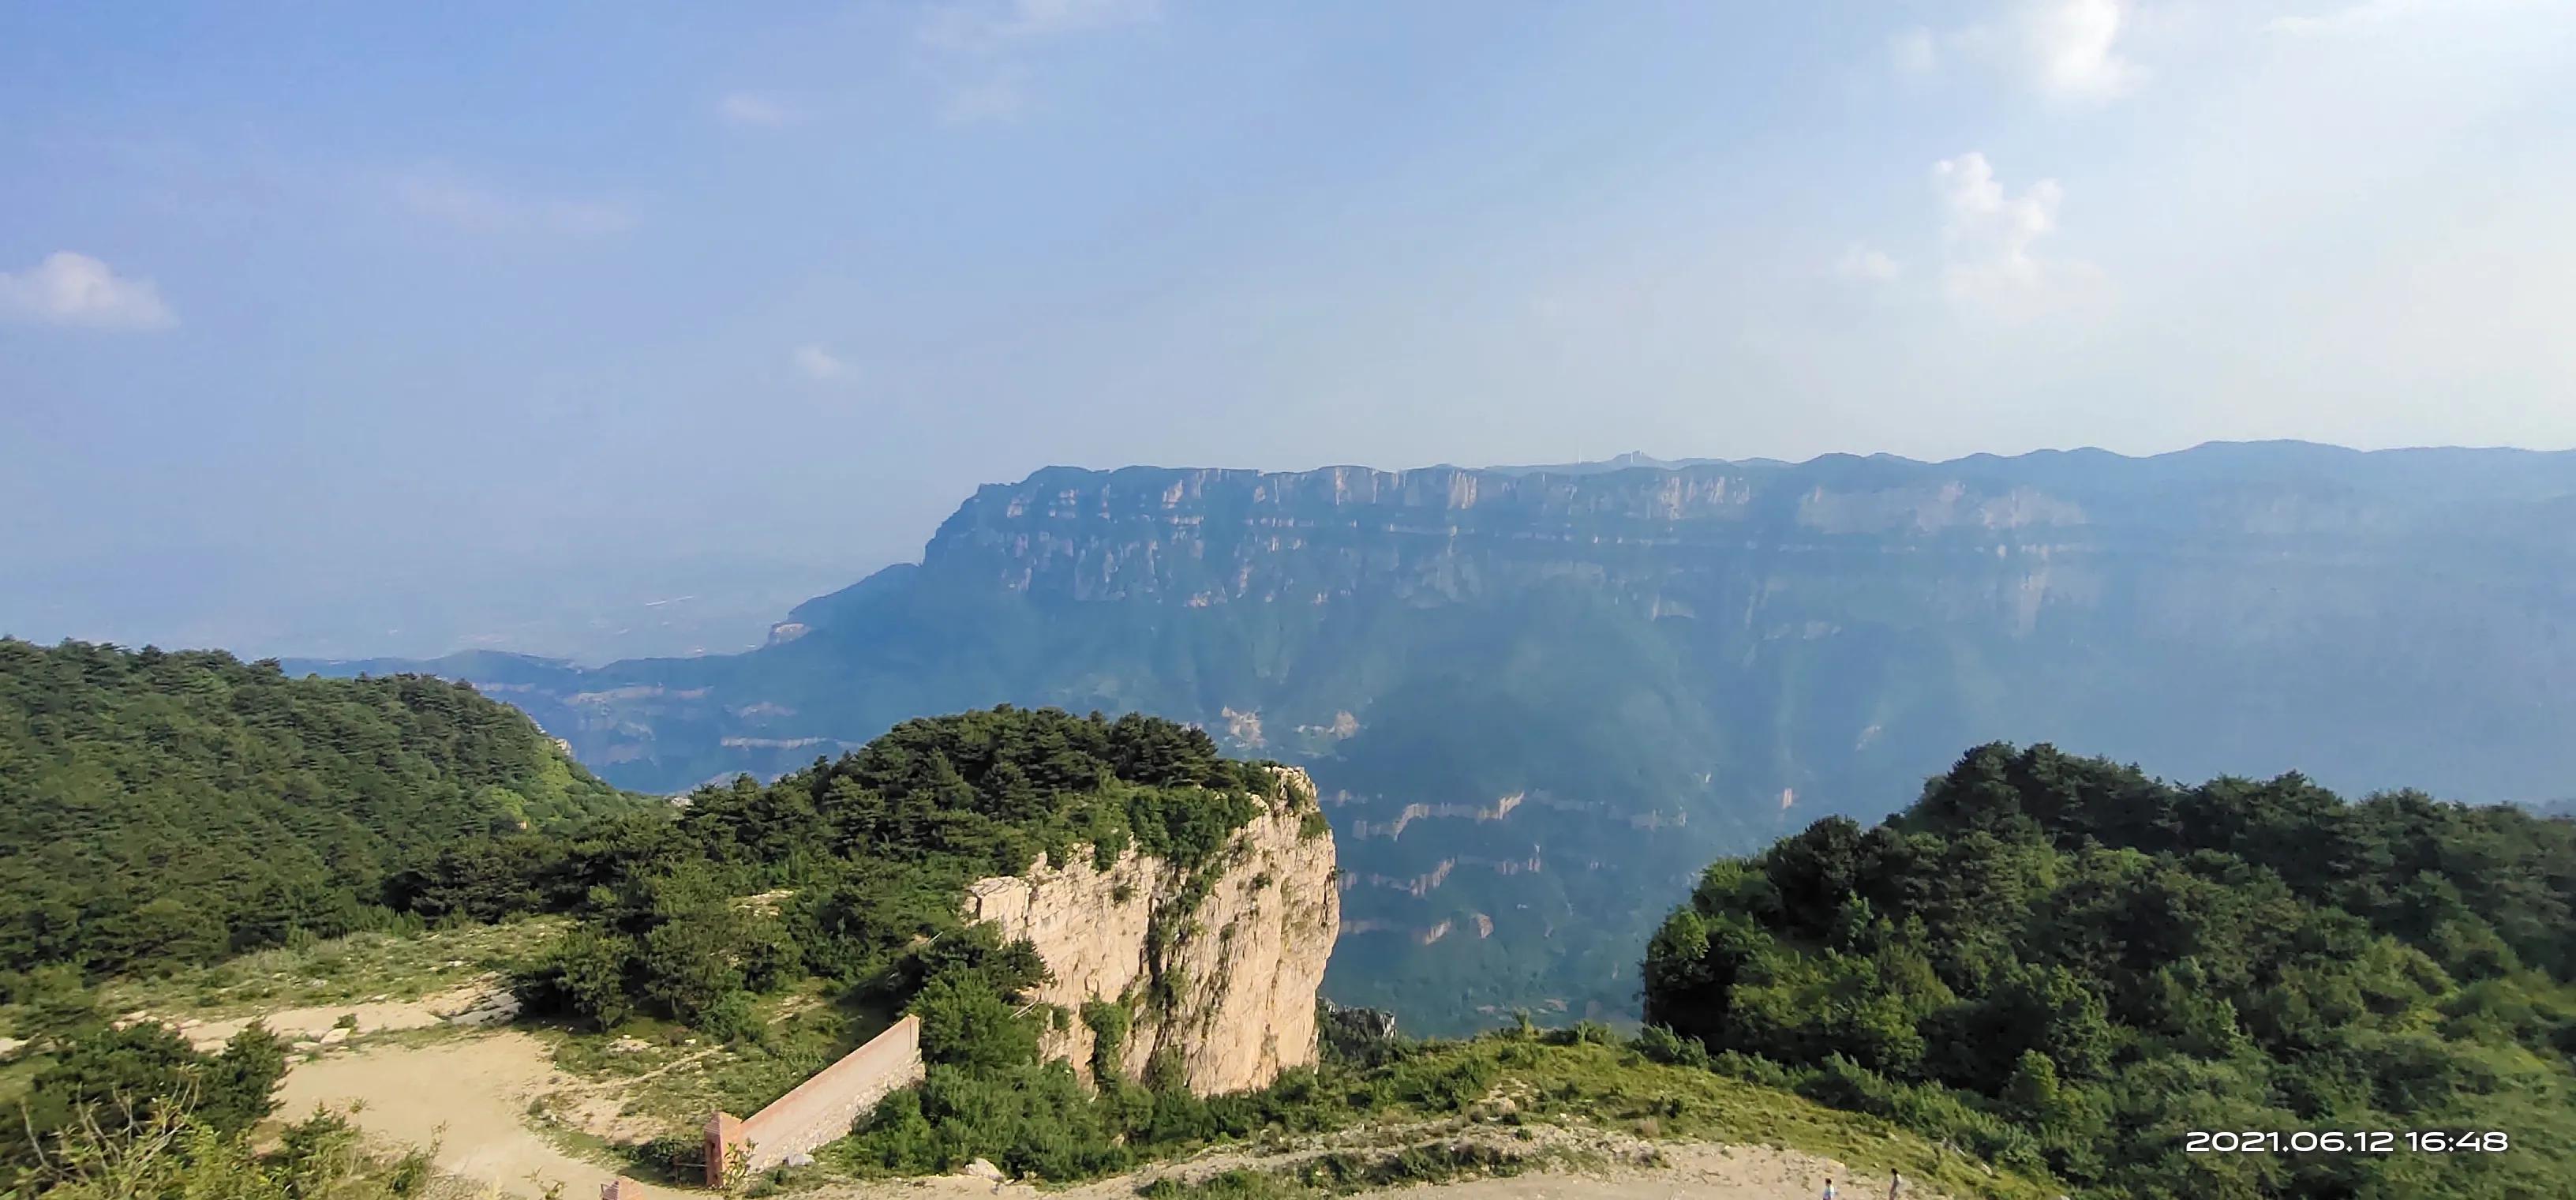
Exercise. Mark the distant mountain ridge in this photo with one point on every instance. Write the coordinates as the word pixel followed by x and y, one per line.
pixel 1536 698
pixel 1630 460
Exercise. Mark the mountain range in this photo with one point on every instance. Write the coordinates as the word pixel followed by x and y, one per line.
pixel 1537 699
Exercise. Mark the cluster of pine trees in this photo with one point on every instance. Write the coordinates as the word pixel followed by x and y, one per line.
pixel 859 863
pixel 2060 962
pixel 170 808
pixel 167 809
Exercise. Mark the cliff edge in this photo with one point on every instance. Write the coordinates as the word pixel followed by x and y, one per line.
pixel 1206 977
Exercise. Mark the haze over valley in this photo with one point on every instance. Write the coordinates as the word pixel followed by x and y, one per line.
pixel 1538 699
pixel 1252 600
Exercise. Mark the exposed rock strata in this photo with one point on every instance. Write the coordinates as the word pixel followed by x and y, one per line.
pixel 1218 974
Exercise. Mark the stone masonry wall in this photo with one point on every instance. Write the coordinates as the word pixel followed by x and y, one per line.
pixel 822 1108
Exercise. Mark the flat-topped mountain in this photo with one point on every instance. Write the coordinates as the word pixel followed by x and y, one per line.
pixel 1536 699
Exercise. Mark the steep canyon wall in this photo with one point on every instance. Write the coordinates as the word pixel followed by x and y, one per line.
pixel 1216 970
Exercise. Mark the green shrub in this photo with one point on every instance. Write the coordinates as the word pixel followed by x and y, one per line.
pixel 965 1024
pixel 104 1081
pixel 1108 1022
pixel 1028 1120
pixel 1445 1083
pixel 1662 1045
pixel 730 1017
pixel 672 1158
pixel 583 976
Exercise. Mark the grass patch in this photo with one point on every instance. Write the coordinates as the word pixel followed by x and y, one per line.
pixel 1341 1173
pixel 673 1076
pixel 584 1145
pixel 1612 1086
pixel 1032 1122
pixel 16 1073
pixel 354 969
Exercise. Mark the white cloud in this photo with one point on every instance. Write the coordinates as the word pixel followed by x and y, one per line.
pixel 978 25
pixel 2363 16
pixel 1915 52
pixel 1043 18
pixel 817 363
pixel 979 45
pixel 1867 265
pixel 1990 239
pixel 452 201
pixel 2073 47
pixel 753 109
pixel 2063 49
pixel 75 289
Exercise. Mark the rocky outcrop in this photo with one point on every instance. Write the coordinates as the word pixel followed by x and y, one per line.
pixel 1212 972
pixel 1356 1034
pixel 1666 662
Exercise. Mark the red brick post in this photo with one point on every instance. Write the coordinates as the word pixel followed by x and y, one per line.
pixel 724 1136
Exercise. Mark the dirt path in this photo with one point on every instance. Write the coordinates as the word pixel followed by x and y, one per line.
pixel 468 1095
pixel 627 1081
pixel 1698 1171
pixel 323 1024
pixel 1693 1172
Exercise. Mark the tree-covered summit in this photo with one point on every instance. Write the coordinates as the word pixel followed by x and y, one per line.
pixel 864 860
pixel 2060 961
pixel 999 785
pixel 165 807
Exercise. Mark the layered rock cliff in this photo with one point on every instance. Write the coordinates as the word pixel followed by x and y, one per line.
pixel 1537 700
pixel 1211 973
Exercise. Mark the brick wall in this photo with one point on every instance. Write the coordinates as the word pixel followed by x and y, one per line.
pixel 822 1108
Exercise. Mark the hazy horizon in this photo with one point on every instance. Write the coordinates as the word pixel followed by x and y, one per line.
pixel 647 614
pixel 647 608
pixel 390 332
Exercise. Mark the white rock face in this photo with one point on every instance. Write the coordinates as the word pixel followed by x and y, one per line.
pixel 1240 970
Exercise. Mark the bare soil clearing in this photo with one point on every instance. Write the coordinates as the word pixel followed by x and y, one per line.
pixel 470 1095
pixel 1691 1172
pixel 1626 1168
pixel 467 1095
pixel 318 1024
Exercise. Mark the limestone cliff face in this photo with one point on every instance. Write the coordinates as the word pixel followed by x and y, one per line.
pixel 1218 969
pixel 1201 538
pixel 1539 700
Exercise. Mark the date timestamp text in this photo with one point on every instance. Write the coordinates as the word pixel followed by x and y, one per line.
pixel 2304 1141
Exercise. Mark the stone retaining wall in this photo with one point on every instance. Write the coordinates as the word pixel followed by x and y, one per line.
pixel 822 1108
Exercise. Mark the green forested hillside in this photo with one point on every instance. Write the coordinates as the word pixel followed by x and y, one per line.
pixel 865 858
pixel 1537 702
pixel 2058 959
pixel 400 800
pixel 176 807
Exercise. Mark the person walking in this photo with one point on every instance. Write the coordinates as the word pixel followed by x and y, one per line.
pixel 1829 1187
pixel 1895 1185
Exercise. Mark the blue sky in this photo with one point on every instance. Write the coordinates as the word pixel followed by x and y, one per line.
pixel 347 328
